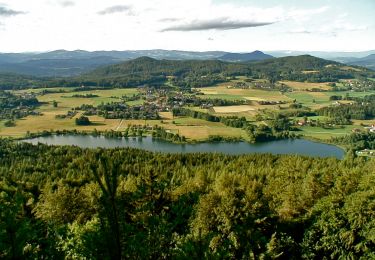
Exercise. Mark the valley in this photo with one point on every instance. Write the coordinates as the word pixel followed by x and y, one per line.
pixel 234 91
pixel 216 129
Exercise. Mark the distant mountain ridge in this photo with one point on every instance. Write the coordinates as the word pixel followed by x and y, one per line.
pixel 332 55
pixel 368 61
pixel 70 63
pixel 62 63
pixel 361 58
pixel 243 57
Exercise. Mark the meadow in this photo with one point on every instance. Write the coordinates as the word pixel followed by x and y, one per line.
pixel 192 129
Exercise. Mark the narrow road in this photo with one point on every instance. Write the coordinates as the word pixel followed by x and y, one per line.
pixel 119 125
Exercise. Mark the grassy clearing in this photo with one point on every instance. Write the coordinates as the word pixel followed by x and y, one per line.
pixel 364 122
pixel 191 128
pixel 104 96
pixel 166 115
pixel 39 90
pixel 197 129
pixel 316 100
pixel 241 94
pixel 203 110
pixel 48 122
pixel 310 99
pixel 350 93
pixel 135 102
pixel 325 134
pixel 350 68
pixel 320 118
pixel 310 71
pixel 233 109
pixel 66 102
pixel 306 85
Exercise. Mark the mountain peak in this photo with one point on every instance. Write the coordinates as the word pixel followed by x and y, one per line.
pixel 252 56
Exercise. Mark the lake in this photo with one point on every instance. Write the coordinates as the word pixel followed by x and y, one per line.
pixel 297 146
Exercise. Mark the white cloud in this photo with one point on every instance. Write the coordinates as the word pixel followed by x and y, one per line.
pixel 5 12
pixel 224 23
pixel 66 3
pixel 137 24
pixel 117 9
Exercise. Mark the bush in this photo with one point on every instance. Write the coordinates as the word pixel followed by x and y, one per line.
pixel 83 120
pixel 9 123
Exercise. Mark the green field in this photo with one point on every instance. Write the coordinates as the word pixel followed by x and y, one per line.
pixel 104 96
pixel 322 133
pixel 223 92
pixel 193 129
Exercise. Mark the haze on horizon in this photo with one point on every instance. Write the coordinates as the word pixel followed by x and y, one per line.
pixel 195 25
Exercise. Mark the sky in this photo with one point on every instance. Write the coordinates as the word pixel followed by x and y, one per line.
pixel 195 25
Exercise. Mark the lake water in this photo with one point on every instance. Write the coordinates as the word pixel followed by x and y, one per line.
pixel 297 146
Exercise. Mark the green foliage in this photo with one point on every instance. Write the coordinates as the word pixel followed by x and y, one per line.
pixel 66 202
pixel 82 120
pixel 357 141
pixel 15 81
pixel 9 123
pixel 194 73
pixel 360 108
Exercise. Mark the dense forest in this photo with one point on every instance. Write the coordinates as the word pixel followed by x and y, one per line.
pixel 10 81
pixel 360 108
pixel 196 73
pixel 68 202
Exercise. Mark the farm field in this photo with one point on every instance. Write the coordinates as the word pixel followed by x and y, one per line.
pixel 325 134
pixel 306 85
pixel 48 122
pixel 67 101
pixel 192 129
pixel 223 92
pixel 233 109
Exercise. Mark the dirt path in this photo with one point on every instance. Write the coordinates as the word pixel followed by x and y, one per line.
pixel 119 125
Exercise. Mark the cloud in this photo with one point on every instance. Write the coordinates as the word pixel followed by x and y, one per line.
pixel 9 12
pixel 304 15
pixel 300 32
pixel 214 24
pixel 66 3
pixel 166 20
pixel 117 9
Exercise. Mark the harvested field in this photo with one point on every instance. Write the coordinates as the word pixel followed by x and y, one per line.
pixel 233 109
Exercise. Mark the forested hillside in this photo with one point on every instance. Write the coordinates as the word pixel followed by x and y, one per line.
pixel 305 68
pixel 147 70
pixel 252 56
pixel 16 81
pixel 197 73
pixel 65 202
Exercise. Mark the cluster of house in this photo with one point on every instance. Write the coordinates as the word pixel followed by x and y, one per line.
pixel 371 128
pixel 27 95
pixel 359 85
pixel 366 152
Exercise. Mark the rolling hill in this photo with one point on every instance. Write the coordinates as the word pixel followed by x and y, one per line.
pixel 197 73
pixel 243 57
pixel 147 70
pixel 368 62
